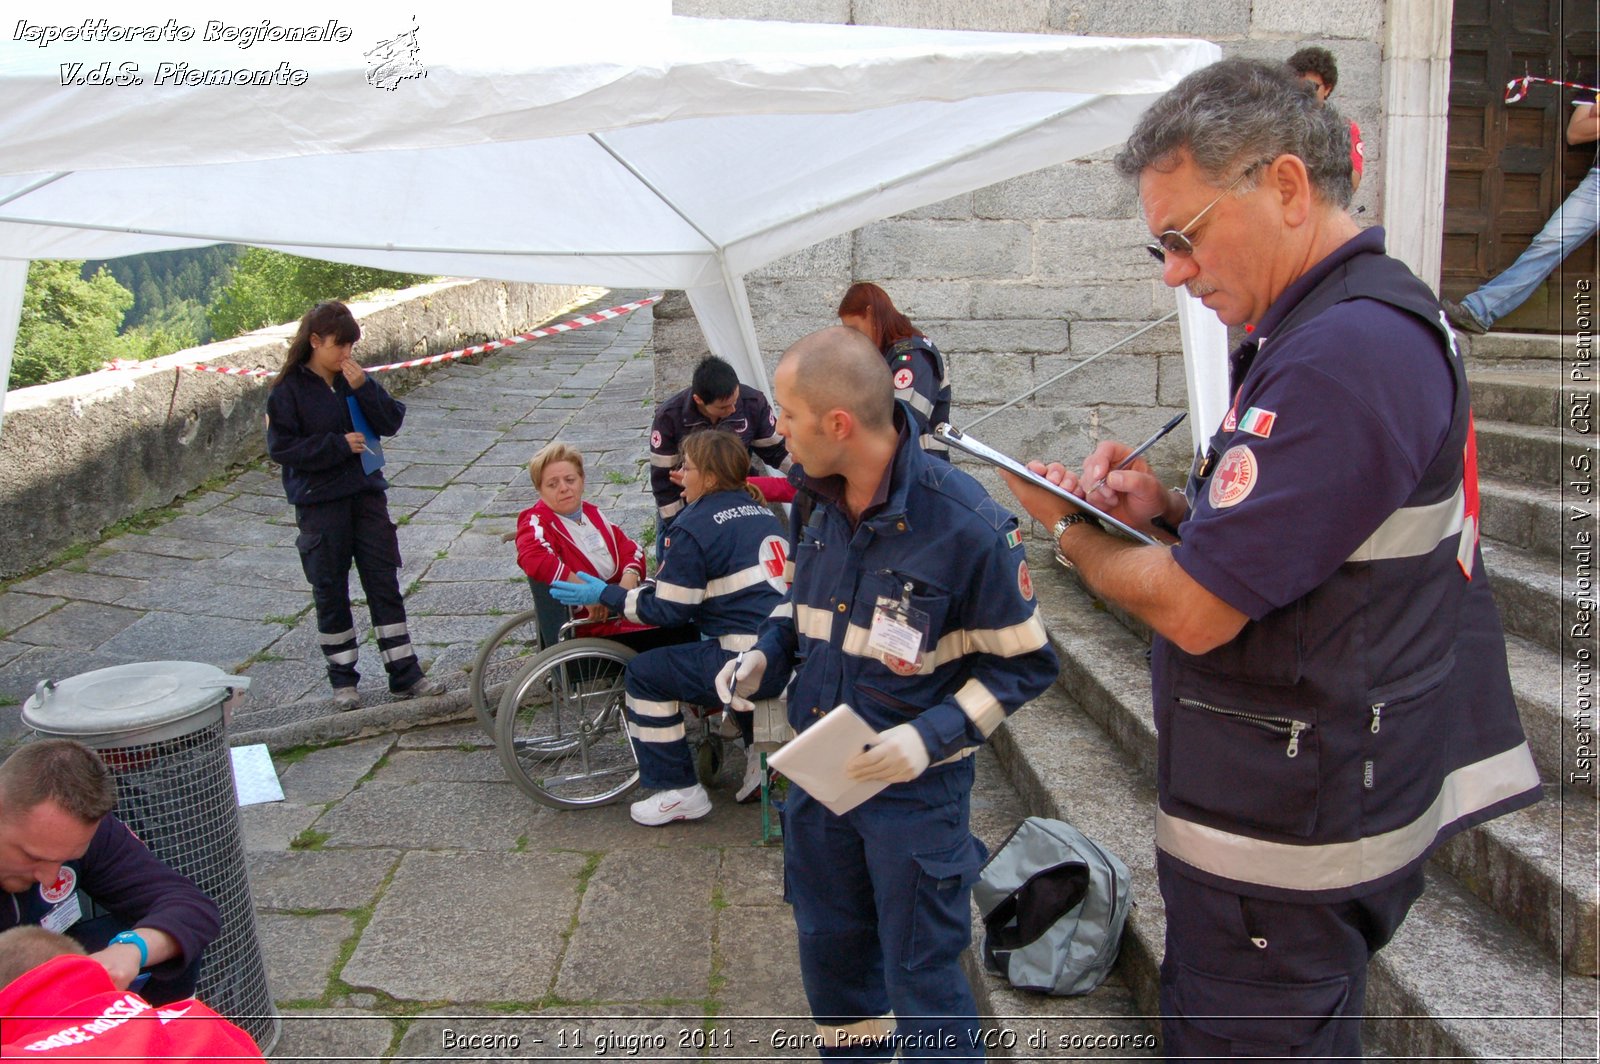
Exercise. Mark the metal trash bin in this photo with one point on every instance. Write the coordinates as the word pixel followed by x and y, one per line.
pixel 161 729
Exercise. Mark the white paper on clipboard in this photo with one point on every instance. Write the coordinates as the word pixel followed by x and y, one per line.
pixel 815 760
pixel 953 436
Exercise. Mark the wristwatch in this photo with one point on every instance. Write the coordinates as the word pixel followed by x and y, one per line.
pixel 133 938
pixel 1059 529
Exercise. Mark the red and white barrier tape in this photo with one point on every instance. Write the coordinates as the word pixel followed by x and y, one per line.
pixel 466 352
pixel 1517 88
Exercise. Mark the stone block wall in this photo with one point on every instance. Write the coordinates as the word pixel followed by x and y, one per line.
pixel 81 454
pixel 1018 281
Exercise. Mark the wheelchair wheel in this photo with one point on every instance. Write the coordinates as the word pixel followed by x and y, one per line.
pixel 560 729
pixel 502 656
pixel 708 759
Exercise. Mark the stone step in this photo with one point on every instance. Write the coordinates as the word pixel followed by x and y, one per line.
pixel 1516 863
pixel 1526 515
pixel 1537 454
pixel 1526 397
pixel 1528 591
pixel 1457 981
pixel 1507 350
pixel 1537 675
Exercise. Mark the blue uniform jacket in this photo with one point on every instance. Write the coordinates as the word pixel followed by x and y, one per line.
pixel 723 572
pixel 922 379
pixel 306 426
pixel 752 421
pixel 985 652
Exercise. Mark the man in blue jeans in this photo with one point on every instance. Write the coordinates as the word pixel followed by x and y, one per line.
pixel 1573 223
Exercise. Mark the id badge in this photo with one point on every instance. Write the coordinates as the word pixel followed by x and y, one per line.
pixel 899 634
pixel 63 915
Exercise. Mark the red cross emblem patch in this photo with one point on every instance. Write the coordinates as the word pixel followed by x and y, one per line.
pixel 1235 477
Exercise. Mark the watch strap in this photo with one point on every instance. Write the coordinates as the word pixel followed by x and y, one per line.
pixel 136 939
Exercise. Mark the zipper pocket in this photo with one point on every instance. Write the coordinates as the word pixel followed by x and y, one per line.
pixel 1277 725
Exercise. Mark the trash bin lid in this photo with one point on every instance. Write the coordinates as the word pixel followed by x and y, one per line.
pixel 128 698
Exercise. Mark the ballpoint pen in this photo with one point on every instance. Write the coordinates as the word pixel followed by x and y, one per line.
pixel 1137 451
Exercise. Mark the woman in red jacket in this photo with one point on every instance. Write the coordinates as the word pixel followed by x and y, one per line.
pixel 562 535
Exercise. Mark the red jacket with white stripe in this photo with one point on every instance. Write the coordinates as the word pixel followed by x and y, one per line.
pixel 547 553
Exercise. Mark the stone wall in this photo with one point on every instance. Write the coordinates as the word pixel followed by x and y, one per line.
pixel 1018 281
pixel 81 454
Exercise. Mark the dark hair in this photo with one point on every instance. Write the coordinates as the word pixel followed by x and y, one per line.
pixel 1318 61
pixel 59 770
pixel 722 460
pixel 1241 111
pixel 333 319
pixel 24 948
pixel 888 324
pixel 714 379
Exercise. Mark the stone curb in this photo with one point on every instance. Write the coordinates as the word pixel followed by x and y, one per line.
pixel 361 723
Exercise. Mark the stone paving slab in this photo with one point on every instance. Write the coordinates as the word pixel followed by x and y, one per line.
pixel 90 624
pixel 193 548
pixel 328 775
pixel 456 816
pixel 677 886
pixel 479 764
pixel 489 925
pixel 300 952
pixel 92 587
pixel 18 610
pixel 161 636
pixel 334 1034
pixel 233 600
pixel 318 880
pixel 135 564
pixel 272 826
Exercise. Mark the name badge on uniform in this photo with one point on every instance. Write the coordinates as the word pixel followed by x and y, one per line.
pixel 899 633
pixel 62 916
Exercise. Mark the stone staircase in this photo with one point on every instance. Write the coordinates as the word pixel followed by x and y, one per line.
pixel 1498 959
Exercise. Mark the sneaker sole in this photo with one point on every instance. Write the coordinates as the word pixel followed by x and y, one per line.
pixel 668 820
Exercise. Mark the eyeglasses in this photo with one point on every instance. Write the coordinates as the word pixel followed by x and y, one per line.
pixel 1176 241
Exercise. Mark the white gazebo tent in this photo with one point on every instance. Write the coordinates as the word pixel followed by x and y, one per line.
pixel 643 150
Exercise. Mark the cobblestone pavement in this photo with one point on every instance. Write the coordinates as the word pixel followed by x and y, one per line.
pixel 221 582
pixel 412 903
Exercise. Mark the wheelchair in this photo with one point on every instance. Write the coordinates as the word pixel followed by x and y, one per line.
pixel 557 713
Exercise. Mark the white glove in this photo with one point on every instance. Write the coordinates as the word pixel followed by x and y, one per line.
pixel 741 677
pixel 899 755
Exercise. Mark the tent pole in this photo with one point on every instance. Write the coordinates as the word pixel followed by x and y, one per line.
pixel 13 284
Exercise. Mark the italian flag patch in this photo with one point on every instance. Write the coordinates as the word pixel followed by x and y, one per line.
pixel 1013 539
pixel 1257 422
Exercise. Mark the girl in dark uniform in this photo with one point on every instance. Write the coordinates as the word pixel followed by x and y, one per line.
pixel 921 377
pixel 324 415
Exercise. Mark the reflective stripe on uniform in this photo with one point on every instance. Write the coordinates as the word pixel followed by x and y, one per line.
pixel 981 707
pixel 919 402
pixel 1009 642
pixel 684 596
pixel 656 735
pixel 782 609
pixel 333 639
pixel 1414 530
pixel 396 653
pixel 1338 865
pixel 665 461
pixel 341 657
pixel 644 707
pixel 812 622
pixel 736 641
pixel 766 441
pixel 671 509
pixel 389 631
pixel 734 582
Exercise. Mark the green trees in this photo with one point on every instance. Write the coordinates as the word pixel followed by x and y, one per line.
pixel 269 287
pixel 69 324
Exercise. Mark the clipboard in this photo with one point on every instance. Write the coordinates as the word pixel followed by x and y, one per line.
pixel 372 458
pixel 948 433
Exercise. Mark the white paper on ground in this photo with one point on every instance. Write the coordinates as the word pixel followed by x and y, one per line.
pixel 254 778
pixel 815 759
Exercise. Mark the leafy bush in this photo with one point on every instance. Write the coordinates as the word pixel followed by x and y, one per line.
pixel 269 288
pixel 68 324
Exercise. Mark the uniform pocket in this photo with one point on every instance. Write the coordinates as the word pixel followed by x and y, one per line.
pixel 940 927
pixel 1252 764
pixel 1403 747
pixel 308 544
pixel 1261 1019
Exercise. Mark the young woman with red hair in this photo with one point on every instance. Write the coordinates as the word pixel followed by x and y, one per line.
pixel 921 377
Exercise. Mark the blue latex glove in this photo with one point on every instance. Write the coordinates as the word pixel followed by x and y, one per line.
pixel 585 591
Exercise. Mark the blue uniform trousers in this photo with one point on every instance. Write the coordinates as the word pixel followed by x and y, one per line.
pixel 332 535
pixel 882 901
pixel 1294 974
pixel 657 682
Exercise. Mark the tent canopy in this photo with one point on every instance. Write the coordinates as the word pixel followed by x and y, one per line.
pixel 645 150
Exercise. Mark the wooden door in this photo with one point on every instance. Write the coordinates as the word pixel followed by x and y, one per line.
pixel 1509 166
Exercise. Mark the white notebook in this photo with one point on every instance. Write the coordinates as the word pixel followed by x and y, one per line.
pixel 815 760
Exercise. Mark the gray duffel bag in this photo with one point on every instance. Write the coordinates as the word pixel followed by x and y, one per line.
pixel 1054 903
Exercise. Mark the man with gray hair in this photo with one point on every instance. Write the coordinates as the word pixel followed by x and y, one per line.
pixel 1329 673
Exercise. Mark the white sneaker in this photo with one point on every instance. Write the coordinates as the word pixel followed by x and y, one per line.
pixel 690 803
